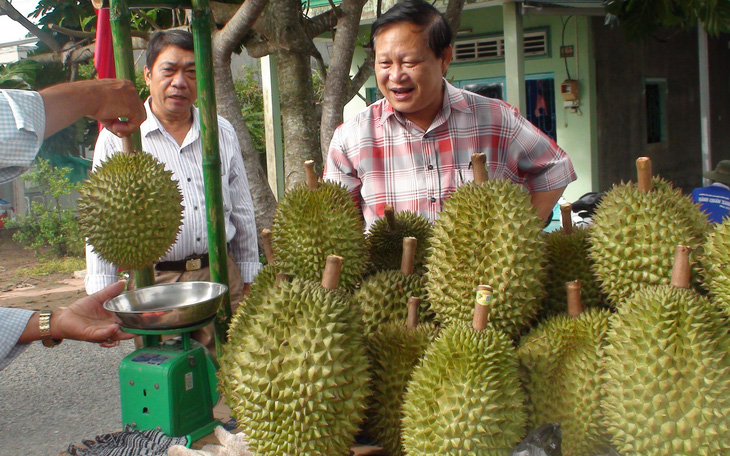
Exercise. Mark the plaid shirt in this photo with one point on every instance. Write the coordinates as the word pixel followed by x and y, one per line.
pixel 22 127
pixel 12 325
pixel 383 158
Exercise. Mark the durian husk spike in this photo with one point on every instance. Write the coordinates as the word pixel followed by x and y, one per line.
pixel 565 218
pixel 409 255
pixel 331 274
pixel 479 162
pixel 412 319
pixel 681 269
pixel 390 216
pixel 643 171
pixel 575 304
pixel 268 247
pixel 312 180
pixel 481 306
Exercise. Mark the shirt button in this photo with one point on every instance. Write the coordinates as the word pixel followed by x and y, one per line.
pixel 433 199
pixel 197 239
pixel 189 179
pixel 196 208
pixel 430 166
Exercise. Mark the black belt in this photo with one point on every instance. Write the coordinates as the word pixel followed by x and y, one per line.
pixel 191 263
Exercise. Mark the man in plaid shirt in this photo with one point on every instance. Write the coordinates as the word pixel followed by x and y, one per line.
pixel 413 148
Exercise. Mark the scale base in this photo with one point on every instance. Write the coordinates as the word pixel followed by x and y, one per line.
pixel 169 387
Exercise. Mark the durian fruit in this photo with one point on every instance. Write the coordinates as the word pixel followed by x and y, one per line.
pixel 294 371
pixel 465 397
pixel 635 227
pixel 267 275
pixel 130 210
pixel 561 361
pixel 316 220
pixel 567 251
pixel 383 296
pixel 394 350
pixel 668 372
pixel 488 231
pixel 385 239
pixel 716 262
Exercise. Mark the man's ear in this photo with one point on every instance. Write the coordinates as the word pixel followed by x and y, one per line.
pixel 147 74
pixel 446 56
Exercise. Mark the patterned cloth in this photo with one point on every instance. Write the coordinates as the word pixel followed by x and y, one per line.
pixel 185 162
pixel 12 325
pixel 383 158
pixel 22 127
pixel 129 442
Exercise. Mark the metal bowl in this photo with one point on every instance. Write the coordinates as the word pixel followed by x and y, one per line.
pixel 167 306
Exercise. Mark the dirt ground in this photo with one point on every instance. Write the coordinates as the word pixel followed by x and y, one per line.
pixel 32 292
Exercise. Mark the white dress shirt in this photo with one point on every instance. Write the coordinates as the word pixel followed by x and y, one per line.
pixel 22 127
pixel 185 162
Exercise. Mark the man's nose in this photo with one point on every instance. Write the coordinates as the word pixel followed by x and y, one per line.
pixel 397 72
pixel 178 79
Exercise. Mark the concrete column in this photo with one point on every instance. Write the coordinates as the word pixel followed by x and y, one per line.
pixel 272 125
pixel 514 55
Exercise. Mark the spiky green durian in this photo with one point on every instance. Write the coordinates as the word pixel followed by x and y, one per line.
pixel 465 397
pixel 631 243
pixel 567 261
pixel 130 210
pixel 487 233
pixel 309 225
pixel 561 361
pixel 668 375
pixel 294 371
pixel 385 240
pixel 394 351
pixel 716 263
pixel 384 297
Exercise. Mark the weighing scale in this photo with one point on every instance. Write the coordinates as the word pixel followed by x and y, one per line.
pixel 169 385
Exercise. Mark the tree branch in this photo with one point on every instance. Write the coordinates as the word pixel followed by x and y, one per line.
pixel 13 14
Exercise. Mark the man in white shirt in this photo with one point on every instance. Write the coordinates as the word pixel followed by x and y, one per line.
pixel 171 133
pixel 26 118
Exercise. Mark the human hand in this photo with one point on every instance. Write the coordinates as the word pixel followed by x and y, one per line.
pixel 118 98
pixel 87 320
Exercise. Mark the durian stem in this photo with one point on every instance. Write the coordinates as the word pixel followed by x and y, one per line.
pixel 389 213
pixel 268 246
pixel 575 305
pixel 312 182
pixel 281 277
pixel 481 307
pixel 128 145
pixel 412 320
pixel 479 162
pixel 643 170
pixel 331 274
pixel 565 218
pixel 681 269
pixel 409 255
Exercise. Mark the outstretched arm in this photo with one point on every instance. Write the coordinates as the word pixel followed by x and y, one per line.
pixel 105 100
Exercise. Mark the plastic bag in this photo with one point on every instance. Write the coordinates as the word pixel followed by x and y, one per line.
pixel 543 441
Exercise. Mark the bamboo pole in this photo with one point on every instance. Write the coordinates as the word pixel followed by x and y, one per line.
pixel 119 20
pixel 202 35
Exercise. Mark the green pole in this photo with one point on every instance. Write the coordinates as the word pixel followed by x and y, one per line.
pixel 202 34
pixel 119 19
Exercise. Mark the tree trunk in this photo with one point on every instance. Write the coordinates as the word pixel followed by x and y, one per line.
pixel 338 90
pixel 296 91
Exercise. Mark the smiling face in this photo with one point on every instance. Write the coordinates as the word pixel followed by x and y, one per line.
pixel 172 83
pixel 408 73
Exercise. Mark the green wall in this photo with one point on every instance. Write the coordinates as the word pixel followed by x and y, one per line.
pixel 575 131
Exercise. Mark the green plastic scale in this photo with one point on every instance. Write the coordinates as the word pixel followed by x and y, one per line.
pixel 169 386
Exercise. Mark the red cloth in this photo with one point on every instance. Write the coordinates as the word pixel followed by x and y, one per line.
pixel 104 48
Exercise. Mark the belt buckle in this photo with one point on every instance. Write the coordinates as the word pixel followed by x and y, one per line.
pixel 193 264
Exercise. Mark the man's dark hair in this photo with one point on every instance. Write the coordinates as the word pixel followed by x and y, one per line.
pixel 419 13
pixel 160 40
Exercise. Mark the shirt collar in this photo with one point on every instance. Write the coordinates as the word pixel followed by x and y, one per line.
pixel 453 100
pixel 153 123
pixel 720 184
